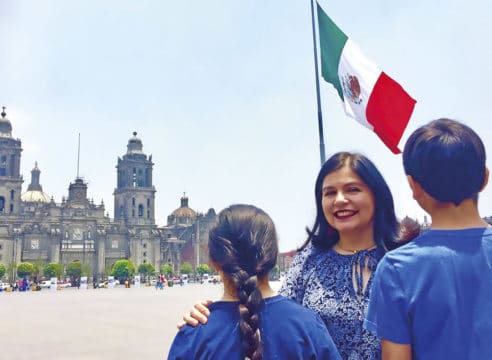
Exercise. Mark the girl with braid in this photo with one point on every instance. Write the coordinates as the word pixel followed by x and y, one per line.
pixel 251 321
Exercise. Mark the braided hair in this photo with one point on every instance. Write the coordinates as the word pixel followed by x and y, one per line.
pixel 243 244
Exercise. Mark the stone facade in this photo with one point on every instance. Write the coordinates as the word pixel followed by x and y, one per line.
pixel 33 227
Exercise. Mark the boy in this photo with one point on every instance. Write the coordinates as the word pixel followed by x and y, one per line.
pixel 432 298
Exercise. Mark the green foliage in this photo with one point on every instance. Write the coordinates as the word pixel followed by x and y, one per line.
pixel 3 270
pixel 167 270
pixel 25 269
pixel 123 269
pixel 74 269
pixel 86 269
pixel 203 269
pixel 186 268
pixel 146 269
pixel 52 270
pixel 37 267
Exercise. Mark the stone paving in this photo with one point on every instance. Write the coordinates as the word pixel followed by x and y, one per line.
pixel 71 324
pixel 119 323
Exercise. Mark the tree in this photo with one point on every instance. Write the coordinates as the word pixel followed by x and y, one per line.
pixel 146 269
pixel 186 268
pixel 123 269
pixel 74 270
pixel 37 267
pixel 25 269
pixel 86 269
pixel 167 270
pixel 52 270
pixel 203 269
pixel 3 270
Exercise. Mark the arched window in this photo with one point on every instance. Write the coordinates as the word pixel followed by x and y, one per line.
pixel 140 210
pixel 2 204
pixel 12 194
pixel 11 208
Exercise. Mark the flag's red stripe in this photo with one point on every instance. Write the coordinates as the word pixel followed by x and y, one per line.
pixel 388 110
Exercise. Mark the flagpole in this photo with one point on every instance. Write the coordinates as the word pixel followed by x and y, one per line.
pixel 320 117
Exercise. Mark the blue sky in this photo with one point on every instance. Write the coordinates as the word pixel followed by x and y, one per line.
pixel 222 93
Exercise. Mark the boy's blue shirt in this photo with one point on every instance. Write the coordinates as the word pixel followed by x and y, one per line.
pixel 435 293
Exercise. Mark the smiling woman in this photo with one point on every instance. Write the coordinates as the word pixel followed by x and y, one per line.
pixel 348 204
pixel 332 274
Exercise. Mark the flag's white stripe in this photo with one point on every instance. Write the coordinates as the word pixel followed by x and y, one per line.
pixel 353 62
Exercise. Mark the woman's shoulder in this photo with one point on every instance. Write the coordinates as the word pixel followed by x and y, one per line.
pixel 312 253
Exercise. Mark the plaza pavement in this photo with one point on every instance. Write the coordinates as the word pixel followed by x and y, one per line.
pixel 119 323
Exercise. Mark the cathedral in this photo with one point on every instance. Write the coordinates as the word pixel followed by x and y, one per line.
pixel 33 227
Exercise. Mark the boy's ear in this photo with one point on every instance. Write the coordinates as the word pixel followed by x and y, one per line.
pixel 485 179
pixel 417 190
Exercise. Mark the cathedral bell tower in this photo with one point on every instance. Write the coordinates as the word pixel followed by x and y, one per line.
pixel 10 178
pixel 134 195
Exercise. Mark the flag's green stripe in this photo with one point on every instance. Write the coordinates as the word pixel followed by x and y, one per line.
pixel 331 40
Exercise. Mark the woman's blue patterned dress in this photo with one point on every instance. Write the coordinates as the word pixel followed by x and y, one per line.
pixel 323 280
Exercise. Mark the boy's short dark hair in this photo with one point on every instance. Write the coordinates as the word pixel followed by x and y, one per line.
pixel 447 159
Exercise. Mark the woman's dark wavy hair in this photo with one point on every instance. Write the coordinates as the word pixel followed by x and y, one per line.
pixel 324 236
pixel 243 244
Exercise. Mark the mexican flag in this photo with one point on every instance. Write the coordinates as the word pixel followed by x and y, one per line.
pixel 369 95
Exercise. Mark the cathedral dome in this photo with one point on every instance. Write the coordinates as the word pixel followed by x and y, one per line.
pixel 35 196
pixel 184 210
pixel 182 215
pixel 5 125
